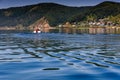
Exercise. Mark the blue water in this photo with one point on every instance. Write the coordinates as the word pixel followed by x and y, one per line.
pixel 49 56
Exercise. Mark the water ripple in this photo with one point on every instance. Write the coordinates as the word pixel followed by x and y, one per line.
pixel 59 56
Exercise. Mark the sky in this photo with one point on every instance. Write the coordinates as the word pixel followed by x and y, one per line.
pixel 77 3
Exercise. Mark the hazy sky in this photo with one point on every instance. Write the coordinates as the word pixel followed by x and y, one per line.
pixel 14 3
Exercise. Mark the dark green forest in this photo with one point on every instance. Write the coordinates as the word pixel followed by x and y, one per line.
pixel 57 14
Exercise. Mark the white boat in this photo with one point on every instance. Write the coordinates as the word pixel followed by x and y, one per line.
pixel 36 31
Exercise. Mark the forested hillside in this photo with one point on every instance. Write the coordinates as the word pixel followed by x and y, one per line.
pixel 56 14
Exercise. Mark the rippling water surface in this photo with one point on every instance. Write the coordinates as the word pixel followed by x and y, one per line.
pixel 26 56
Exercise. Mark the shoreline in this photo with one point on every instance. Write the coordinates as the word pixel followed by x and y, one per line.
pixel 72 30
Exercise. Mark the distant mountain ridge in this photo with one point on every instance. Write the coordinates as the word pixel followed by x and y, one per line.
pixel 55 13
pixel 106 8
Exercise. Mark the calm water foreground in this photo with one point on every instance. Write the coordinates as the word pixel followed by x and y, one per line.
pixel 27 56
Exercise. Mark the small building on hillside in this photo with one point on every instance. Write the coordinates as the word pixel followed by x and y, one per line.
pixel 68 28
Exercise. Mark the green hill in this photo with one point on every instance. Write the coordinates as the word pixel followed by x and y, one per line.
pixel 55 13
pixel 27 15
pixel 106 9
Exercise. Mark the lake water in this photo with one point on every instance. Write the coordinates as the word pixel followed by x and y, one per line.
pixel 49 56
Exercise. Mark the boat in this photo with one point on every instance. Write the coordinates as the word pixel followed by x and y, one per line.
pixel 37 31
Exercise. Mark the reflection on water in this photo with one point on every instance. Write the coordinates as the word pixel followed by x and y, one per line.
pixel 89 30
pixel 59 56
